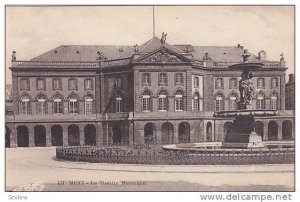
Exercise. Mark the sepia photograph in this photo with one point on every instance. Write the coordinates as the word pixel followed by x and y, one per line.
pixel 149 98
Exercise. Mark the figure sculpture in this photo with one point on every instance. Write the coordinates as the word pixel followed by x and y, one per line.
pixel 163 38
pixel 13 56
pixel 245 56
pixel 246 88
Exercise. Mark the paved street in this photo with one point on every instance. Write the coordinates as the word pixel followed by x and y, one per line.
pixel 38 165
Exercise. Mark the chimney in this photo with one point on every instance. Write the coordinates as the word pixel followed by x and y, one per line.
pixel 240 47
pixel 291 78
pixel 262 55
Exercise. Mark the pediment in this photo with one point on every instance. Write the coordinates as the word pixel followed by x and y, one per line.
pixel 163 55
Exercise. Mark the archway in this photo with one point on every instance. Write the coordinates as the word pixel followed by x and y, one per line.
pixel 7 137
pixel 209 132
pixel 39 136
pixel 56 135
pixel 90 134
pixel 117 133
pixel 167 133
pixel 259 128
pixel 287 130
pixel 272 130
pixel 22 136
pixel 150 133
pixel 73 135
pixel 227 128
pixel 184 132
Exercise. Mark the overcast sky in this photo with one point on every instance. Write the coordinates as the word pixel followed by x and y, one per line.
pixel 34 30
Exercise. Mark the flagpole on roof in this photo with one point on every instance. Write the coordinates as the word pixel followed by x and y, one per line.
pixel 153 22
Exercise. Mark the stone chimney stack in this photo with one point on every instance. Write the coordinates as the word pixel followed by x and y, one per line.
pixel 262 55
pixel 291 78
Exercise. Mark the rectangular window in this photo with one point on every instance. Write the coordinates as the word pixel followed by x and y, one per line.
pixel 274 83
pixel 146 79
pixel 73 106
pixel 42 107
pixel 219 83
pixel 57 84
pixel 178 103
pixel 118 104
pixel 118 82
pixel 162 103
pixel 25 107
pixel 24 84
pixel 88 106
pixel 179 78
pixel 72 84
pixel 260 83
pixel 88 84
pixel 219 104
pixel 146 103
pixel 40 84
pixel 162 80
pixel 274 103
pixel 233 83
pixel 260 103
pixel 196 82
pixel 58 106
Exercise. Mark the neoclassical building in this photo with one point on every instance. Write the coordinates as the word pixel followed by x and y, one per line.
pixel 154 93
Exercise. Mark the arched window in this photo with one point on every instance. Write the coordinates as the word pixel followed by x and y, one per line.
pixel 219 103
pixel 57 104
pixel 41 105
pixel 232 102
pixel 25 105
pixel 119 103
pixel 162 101
pixel 274 102
pixel 260 102
pixel 73 104
pixel 146 101
pixel 196 102
pixel 88 105
pixel 179 101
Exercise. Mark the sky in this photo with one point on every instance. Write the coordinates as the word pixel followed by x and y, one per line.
pixel 31 31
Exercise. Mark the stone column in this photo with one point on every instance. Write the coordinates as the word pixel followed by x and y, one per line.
pixel 131 133
pixel 279 137
pixel 81 135
pixel 65 134
pixel 176 133
pixel 48 136
pixel 99 134
pixel 50 107
pixel 192 135
pixel 13 137
pixel 31 135
pixel 158 133
pixel 265 137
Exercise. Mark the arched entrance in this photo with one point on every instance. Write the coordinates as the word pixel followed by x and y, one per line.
pixel 117 134
pixel 56 135
pixel 227 128
pixel 259 128
pixel 167 133
pixel 39 136
pixel 7 137
pixel 209 132
pixel 90 134
pixel 73 135
pixel 184 132
pixel 272 130
pixel 287 129
pixel 22 136
pixel 150 133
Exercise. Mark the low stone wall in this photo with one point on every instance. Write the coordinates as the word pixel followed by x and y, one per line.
pixel 127 155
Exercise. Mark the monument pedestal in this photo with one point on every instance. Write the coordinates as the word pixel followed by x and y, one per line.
pixel 255 141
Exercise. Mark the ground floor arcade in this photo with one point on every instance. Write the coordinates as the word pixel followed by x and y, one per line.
pixel 137 132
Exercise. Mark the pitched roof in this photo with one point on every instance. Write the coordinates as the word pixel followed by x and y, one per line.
pixel 110 52
pixel 85 53
pixel 218 53
pixel 154 44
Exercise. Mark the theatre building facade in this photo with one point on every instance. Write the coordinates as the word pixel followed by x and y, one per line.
pixel 155 93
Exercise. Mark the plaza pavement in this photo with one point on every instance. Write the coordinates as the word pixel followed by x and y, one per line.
pixel 38 165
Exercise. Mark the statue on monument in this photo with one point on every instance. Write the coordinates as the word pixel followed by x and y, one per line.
pixel 245 56
pixel 13 56
pixel 163 38
pixel 246 88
